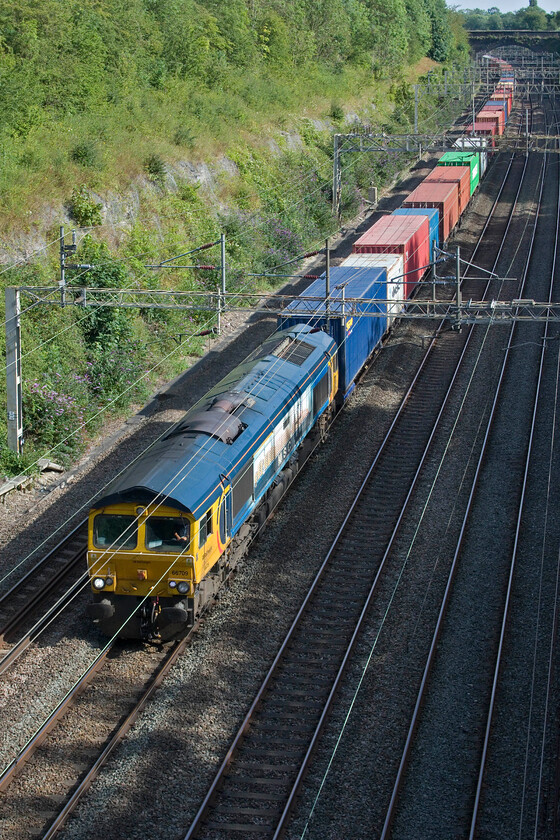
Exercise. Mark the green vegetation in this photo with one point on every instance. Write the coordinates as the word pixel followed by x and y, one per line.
pixel 531 17
pixel 108 107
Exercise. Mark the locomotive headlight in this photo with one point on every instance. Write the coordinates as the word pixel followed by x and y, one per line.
pixel 172 584
pixel 98 583
pixel 108 581
pixel 183 587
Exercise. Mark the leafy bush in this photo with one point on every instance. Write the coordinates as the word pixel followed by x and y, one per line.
pixel 85 210
pixel 337 112
pixel 13 464
pixel 85 154
pixel 54 412
pixel 117 368
pixel 184 137
pixel 155 167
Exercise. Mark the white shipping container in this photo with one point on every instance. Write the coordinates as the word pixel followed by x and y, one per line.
pixel 394 263
pixel 466 143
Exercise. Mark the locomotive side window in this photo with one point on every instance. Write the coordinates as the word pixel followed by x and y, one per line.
pixel 205 528
pixel 161 531
pixel 114 531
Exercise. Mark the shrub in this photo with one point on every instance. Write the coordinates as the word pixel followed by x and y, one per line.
pixel 13 464
pixel 155 167
pixel 184 137
pixel 84 209
pixel 85 154
pixel 337 112
pixel 54 412
pixel 188 192
pixel 117 366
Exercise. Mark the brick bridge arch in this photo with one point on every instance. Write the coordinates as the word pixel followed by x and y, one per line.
pixel 484 40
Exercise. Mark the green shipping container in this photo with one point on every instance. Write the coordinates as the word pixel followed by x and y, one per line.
pixel 469 159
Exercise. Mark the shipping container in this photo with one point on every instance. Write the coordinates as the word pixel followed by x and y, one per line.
pixel 498 104
pixel 495 118
pixel 501 98
pixel 459 174
pixel 444 196
pixel 481 146
pixel 394 265
pixel 503 93
pixel 406 235
pixel 355 334
pixel 485 130
pixel 469 159
pixel 433 220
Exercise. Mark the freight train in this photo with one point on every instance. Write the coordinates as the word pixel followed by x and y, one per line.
pixel 166 533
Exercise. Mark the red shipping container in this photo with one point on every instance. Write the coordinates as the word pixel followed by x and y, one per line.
pixel 495 118
pixel 484 130
pixel 459 174
pixel 501 96
pixel 503 93
pixel 444 196
pixel 406 235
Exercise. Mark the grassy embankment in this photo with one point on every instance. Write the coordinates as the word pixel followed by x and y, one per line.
pixel 82 366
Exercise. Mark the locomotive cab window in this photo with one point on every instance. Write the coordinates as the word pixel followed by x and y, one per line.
pixel 167 533
pixel 114 531
pixel 205 528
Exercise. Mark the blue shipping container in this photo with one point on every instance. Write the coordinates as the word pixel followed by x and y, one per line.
pixel 502 103
pixel 433 220
pixel 356 337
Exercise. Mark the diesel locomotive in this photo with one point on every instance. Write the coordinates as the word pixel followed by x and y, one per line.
pixel 167 532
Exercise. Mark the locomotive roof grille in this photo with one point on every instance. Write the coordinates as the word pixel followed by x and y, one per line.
pixel 293 350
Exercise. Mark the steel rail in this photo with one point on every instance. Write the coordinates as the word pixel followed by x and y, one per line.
pixel 521 509
pixel 245 726
pixel 161 672
pixel 437 631
pixel 53 612
pixel 37 739
pixel 17 590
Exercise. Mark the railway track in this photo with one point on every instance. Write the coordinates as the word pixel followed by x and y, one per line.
pixel 30 593
pixel 256 786
pixel 518 478
pixel 450 739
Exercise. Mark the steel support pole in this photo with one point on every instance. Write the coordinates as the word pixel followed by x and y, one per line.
pixel 327 282
pixel 416 109
pixel 222 295
pixel 434 270
pixel 458 277
pixel 13 370
pixel 336 177
pixel 62 281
